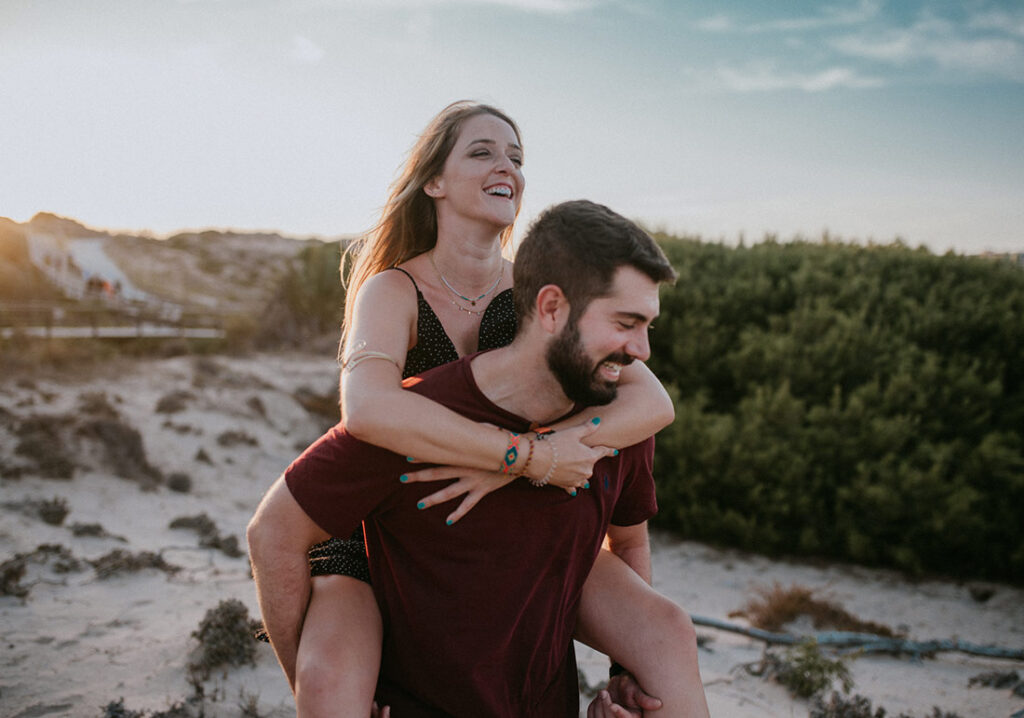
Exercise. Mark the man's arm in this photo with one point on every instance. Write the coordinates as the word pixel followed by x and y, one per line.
pixel 279 536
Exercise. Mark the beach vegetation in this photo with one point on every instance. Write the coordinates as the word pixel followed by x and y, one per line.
pixel 776 606
pixel 855 402
pixel 804 670
pixel 225 638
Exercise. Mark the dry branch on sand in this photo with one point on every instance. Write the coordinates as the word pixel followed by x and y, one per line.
pixel 865 642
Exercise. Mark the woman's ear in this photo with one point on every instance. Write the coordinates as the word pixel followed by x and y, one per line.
pixel 552 308
pixel 434 188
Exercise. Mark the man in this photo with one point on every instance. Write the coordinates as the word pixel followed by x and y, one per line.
pixel 479 616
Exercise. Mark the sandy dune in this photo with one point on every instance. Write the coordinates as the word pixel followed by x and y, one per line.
pixel 227 426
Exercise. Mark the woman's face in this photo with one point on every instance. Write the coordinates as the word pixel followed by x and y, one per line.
pixel 482 178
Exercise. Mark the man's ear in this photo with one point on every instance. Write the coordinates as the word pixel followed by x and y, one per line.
pixel 552 308
pixel 434 188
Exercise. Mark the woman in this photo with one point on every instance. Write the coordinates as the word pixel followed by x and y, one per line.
pixel 449 215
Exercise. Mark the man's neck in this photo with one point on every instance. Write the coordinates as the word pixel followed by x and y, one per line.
pixel 517 379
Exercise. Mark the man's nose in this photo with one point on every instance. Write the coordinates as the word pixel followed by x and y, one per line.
pixel 639 346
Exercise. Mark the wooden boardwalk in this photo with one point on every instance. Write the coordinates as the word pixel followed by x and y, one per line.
pixel 59 320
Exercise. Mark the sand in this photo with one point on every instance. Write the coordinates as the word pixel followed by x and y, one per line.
pixel 76 642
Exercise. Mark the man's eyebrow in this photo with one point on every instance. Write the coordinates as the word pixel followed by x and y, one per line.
pixel 635 315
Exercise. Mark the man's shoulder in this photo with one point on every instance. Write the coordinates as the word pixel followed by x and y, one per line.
pixel 441 381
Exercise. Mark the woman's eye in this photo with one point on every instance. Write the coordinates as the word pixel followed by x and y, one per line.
pixel 517 161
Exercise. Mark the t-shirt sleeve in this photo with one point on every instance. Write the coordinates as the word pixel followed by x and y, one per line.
pixel 637 502
pixel 339 480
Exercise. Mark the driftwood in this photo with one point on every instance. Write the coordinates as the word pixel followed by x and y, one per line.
pixel 865 642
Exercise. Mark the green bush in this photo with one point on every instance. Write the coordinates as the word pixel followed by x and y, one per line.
pixel 859 403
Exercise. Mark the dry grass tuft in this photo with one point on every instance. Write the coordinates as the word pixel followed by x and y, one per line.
pixel 39 441
pixel 122 449
pixel 209 536
pixel 120 561
pixel 777 606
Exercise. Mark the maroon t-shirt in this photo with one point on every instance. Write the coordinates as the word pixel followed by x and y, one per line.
pixel 479 615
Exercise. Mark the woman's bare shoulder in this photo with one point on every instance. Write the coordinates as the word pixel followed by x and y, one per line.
pixel 388 286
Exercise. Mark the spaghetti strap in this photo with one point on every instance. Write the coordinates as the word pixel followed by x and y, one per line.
pixel 415 286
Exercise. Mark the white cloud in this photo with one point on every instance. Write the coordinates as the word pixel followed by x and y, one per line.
pixel 830 16
pixel 767 77
pixel 940 41
pixel 717 23
pixel 304 51
pixel 541 6
pixel 999 20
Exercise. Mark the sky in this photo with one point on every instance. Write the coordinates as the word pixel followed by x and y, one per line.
pixel 866 119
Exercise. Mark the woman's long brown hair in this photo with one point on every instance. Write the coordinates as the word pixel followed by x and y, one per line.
pixel 408 223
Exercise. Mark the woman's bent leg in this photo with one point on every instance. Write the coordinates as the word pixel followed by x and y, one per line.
pixel 339 650
pixel 623 617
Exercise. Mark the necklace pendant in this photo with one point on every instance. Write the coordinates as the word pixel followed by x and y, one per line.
pixel 472 302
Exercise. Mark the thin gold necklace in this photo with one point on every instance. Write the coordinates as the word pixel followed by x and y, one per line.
pixel 463 297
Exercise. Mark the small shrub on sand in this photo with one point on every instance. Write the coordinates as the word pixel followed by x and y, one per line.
pixel 225 639
pixel 57 557
pixel 93 530
pixel 123 450
pixel 804 670
pixel 209 536
pixel 116 709
pixel 121 561
pixel 11 573
pixel 840 706
pixel 777 606
pixel 53 511
pixel 96 403
pixel 180 482
pixel 995 679
pixel 174 402
pixel 1000 680
pixel 39 441
pixel 203 457
pixel 257 406
pixel 235 438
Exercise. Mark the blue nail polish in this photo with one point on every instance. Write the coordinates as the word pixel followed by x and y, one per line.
pixel 615 452
pixel 410 459
pixel 586 485
pixel 403 478
pixel 421 505
pixel 596 420
pixel 573 492
pixel 449 522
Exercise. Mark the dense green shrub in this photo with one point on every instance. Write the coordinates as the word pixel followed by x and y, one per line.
pixel 310 298
pixel 861 403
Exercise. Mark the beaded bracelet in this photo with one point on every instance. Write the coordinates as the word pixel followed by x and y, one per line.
pixel 529 458
pixel 511 452
pixel 543 436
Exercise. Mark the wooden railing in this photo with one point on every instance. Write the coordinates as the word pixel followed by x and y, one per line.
pixel 99 320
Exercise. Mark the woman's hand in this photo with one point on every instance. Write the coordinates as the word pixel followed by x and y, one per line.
pixel 572 457
pixel 474 483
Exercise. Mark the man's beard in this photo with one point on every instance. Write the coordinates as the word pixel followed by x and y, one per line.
pixel 576 374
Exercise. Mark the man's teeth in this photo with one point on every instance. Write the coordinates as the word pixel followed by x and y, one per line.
pixel 501 191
